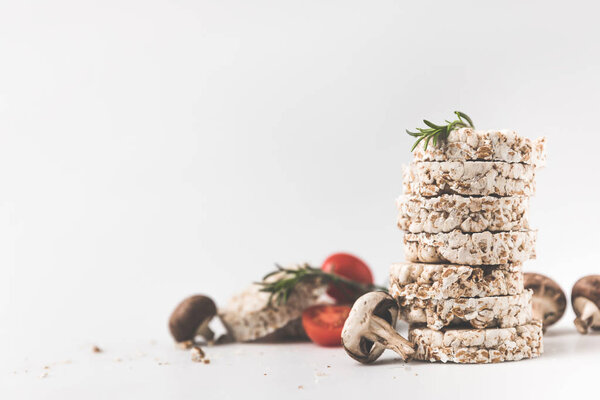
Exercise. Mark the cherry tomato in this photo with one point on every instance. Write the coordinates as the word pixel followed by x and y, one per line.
pixel 350 267
pixel 324 323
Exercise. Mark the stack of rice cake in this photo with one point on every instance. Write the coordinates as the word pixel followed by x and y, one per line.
pixel 464 214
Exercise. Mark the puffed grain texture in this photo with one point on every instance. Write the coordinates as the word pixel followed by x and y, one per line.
pixel 409 281
pixel 469 178
pixel 448 212
pixel 247 316
pixel 467 346
pixel 490 145
pixel 478 312
pixel 483 248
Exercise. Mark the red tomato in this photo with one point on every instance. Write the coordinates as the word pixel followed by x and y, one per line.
pixel 324 323
pixel 350 267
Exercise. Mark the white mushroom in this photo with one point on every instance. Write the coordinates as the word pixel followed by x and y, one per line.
pixel 585 299
pixel 369 329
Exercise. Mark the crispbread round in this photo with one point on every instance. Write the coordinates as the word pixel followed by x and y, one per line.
pixel 478 312
pixel 470 178
pixel 478 345
pixel 491 145
pixel 410 281
pixel 483 248
pixel 448 212
pixel 247 316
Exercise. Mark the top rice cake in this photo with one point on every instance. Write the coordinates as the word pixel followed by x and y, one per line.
pixel 468 144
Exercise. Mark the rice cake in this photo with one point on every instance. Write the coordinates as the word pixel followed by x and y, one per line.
pixel 477 312
pixel 410 281
pixel 248 316
pixel 448 212
pixel 490 145
pixel 466 346
pixel 482 248
pixel 469 178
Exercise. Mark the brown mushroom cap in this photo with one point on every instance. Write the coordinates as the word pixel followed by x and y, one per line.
pixel 192 314
pixel 588 287
pixel 549 300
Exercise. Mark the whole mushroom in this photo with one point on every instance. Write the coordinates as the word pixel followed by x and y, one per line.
pixel 549 300
pixel 585 299
pixel 369 329
pixel 191 317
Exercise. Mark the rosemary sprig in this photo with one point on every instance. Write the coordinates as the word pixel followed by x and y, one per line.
pixel 437 133
pixel 282 288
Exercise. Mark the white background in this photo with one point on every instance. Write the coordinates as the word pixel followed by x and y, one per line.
pixel 154 149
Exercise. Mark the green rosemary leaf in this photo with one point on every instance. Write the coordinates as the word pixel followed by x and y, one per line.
pixel 427 142
pixel 465 116
pixel 431 125
pixel 281 288
pixel 417 143
pixel 437 133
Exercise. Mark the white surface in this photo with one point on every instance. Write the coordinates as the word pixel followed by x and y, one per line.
pixel 154 149
pixel 151 370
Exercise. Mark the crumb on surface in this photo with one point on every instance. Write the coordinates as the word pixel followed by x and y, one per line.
pixel 197 354
pixel 300 387
pixel 96 349
pixel 206 361
pixel 44 374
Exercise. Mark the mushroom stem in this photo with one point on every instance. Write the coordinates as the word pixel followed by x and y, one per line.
pixel 382 332
pixel 205 331
pixel 583 322
pixel 537 309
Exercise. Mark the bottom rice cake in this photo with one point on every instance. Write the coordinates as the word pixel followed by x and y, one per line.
pixel 477 312
pixel 468 346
